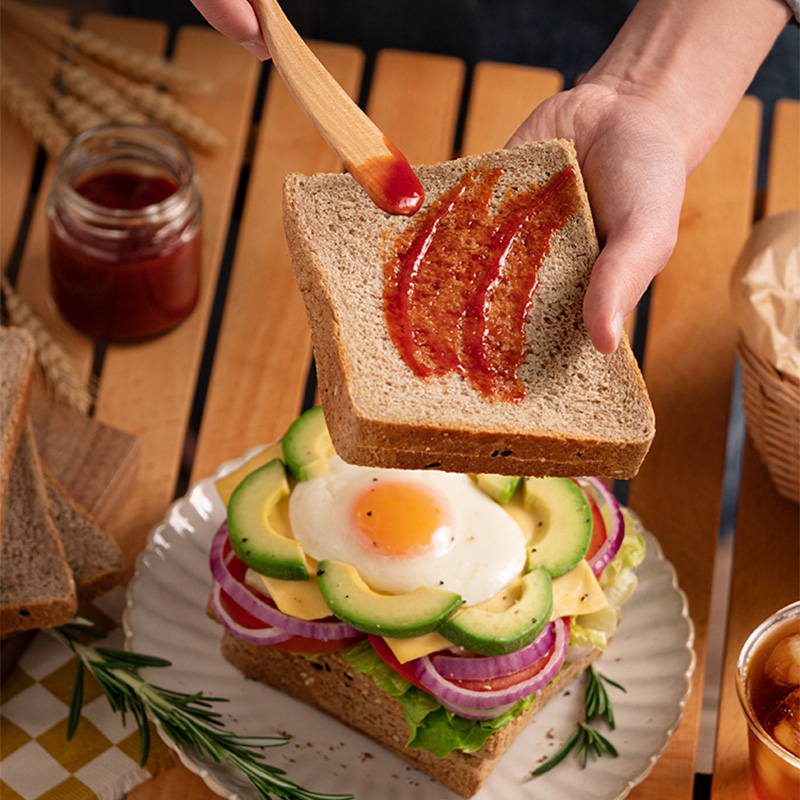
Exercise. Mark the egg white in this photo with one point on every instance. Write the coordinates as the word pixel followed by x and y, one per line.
pixel 485 551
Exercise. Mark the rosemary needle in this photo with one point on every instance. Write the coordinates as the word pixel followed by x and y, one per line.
pixel 188 719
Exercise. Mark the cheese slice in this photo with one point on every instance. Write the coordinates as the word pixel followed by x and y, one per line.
pixel 301 599
pixel 226 484
pixel 417 646
pixel 577 592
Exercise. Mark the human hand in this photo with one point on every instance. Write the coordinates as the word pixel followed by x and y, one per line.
pixel 237 20
pixel 642 119
pixel 635 177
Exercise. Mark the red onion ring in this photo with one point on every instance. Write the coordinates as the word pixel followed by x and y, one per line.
pixel 615 531
pixel 447 692
pixel 256 635
pixel 487 667
pixel 310 629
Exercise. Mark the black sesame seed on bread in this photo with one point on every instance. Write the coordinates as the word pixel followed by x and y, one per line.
pixel 583 412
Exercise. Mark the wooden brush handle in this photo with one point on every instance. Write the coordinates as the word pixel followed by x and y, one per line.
pixel 367 154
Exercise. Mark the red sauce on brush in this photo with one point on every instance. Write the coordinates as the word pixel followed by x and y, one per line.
pixel 461 281
pixel 390 182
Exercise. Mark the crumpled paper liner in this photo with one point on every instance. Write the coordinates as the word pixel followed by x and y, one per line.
pixel 765 291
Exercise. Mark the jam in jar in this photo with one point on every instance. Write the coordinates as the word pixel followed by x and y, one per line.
pixel 124 218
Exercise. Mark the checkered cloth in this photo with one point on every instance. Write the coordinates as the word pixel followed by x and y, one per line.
pixel 36 760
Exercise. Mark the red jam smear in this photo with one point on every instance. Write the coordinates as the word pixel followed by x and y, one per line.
pixel 144 286
pixel 461 282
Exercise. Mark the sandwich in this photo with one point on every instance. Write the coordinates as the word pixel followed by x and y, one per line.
pixel 455 340
pixel 435 612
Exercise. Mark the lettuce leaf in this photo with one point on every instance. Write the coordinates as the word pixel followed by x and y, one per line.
pixel 619 580
pixel 431 726
pixel 593 630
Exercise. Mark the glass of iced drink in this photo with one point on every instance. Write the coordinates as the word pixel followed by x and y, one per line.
pixel 768 683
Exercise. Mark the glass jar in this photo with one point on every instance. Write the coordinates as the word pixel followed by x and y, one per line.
pixel 124 219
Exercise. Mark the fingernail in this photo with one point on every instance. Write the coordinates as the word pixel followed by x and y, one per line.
pixel 616 328
pixel 258 49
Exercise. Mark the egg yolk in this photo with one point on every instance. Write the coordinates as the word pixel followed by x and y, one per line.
pixel 399 519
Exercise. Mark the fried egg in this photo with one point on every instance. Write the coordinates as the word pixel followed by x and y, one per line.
pixel 402 529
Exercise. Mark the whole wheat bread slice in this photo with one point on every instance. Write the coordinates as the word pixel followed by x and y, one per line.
pixel 36 585
pixel 583 413
pixel 93 556
pixel 17 358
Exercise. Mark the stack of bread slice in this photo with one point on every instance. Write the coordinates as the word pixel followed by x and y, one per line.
pixel 53 554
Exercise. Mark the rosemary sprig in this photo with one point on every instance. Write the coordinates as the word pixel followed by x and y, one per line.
pixel 188 719
pixel 587 739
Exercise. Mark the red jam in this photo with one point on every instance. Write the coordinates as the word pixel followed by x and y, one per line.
pixel 461 282
pixel 125 247
pixel 126 190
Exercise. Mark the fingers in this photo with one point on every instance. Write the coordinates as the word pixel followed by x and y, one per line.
pixel 631 257
pixel 236 20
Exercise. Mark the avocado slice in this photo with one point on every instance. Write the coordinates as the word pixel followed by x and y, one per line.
pixel 253 537
pixel 226 484
pixel 400 616
pixel 495 633
pixel 307 445
pixel 499 487
pixel 563 527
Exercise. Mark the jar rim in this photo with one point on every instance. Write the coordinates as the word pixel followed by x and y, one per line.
pixel 166 152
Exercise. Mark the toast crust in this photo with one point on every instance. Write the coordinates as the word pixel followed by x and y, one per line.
pixel 330 684
pixel 583 413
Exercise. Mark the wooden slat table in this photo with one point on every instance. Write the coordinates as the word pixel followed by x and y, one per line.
pixel 237 371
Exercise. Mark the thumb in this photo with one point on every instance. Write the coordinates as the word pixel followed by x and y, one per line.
pixel 631 257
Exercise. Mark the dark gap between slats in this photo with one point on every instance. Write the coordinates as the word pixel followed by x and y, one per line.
pixel 218 304
pixel 36 186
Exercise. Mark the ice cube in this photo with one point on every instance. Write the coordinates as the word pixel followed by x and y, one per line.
pixel 783 664
pixel 783 722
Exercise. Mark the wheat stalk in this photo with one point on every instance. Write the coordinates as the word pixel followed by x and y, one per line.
pixel 163 108
pixel 86 85
pixel 75 113
pixel 138 65
pixel 31 109
pixel 57 369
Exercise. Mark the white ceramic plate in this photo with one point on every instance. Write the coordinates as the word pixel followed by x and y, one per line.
pixel 651 656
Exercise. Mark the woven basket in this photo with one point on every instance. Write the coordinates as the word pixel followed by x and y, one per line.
pixel 772 410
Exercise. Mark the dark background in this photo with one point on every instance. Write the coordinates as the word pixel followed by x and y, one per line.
pixel 565 35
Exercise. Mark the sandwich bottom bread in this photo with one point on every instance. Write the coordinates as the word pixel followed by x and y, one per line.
pixel 435 612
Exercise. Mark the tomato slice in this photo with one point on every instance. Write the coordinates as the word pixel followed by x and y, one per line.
pixel 385 652
pixel 505 681
pixel 599 533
